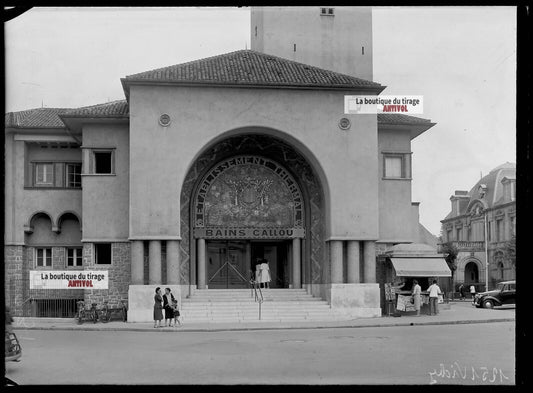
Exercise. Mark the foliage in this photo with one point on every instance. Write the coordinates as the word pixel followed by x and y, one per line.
pixel 450 252
pixel 509 250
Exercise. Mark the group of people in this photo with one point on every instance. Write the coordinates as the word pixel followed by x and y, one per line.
pixel 462 291
pixel 434 292
pixel 169 304
pixel 262 273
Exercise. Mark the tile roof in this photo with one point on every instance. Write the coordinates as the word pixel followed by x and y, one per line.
pixel 251 68
pixel 119 108
pixel 396 118
pixel 52 117
pixel 36 118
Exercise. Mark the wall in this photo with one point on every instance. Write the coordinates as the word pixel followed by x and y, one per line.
pixel 396 213
pixel 105 197
pixel 331 42
pixel 307 119
pixel 20 202
pixel 119 274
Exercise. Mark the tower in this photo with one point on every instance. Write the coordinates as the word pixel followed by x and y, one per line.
pixel 334 38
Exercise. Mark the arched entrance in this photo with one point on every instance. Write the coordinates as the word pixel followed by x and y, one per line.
pixel 471 273
pixel 251 197
pixel 247 209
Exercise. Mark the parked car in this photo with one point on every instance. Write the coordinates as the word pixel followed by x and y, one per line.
pixel 505 293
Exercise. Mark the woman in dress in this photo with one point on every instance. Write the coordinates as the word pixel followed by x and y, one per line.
pixel 168 298
pixel 158 308
pixel 258 272
pixel 265 274
pixel 416 296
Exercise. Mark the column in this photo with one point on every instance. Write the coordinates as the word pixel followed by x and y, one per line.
pixel 369 255
pixel 173 262
pixel 200 273
pixel 296 262
pixel 352 273
pixel 335 252
pixel 154 262
pixel 137 262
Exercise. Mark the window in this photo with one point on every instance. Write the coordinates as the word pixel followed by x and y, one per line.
pixel 73 175
pixel 499 230
pixel 55 174
pixel 44 174
pixel 102 253
pixel 327 11
pixel 393 166
pixel 397 165
pixel 458 234
pixel 74 256
pixel 43 257
pixel 103 162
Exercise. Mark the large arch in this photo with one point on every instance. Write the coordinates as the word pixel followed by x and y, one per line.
pixel 262 144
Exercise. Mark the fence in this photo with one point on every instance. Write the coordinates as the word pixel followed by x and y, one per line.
pixel 50 308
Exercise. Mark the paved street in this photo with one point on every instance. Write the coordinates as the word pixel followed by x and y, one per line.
pixel 482 353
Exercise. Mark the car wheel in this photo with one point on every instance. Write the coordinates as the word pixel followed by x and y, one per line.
pixel 488 304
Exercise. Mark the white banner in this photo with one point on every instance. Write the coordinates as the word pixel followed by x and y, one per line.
pixel 403 104
pixel 69 279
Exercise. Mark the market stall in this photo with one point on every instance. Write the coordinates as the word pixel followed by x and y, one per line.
pixel 408 262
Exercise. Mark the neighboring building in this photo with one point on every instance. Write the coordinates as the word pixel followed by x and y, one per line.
pixel 488 208
pixel 229 158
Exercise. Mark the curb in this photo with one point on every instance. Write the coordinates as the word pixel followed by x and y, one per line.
pixel 250 328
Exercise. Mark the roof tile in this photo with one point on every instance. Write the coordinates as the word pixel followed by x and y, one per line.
pixel 248 67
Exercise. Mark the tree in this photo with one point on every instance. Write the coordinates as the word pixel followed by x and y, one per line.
pixel 509 251
pixel 450 252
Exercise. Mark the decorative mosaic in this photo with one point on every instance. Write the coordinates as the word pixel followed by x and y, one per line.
pixel 269 148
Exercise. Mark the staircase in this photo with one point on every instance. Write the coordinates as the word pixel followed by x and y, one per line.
pixel 238 305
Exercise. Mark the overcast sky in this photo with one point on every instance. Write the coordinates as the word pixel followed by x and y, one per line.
pixel 461 59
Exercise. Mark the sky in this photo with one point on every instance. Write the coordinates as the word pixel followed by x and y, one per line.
pixel 462 60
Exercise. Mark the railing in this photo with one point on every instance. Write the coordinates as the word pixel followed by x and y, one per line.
pixel 256 294
pixel 227 263
pixel 49 308
pixel 466 245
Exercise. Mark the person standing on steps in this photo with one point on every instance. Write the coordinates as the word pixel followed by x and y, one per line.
pixel 258 272
pixel 265 273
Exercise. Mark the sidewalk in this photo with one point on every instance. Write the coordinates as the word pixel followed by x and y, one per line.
pixel 458 313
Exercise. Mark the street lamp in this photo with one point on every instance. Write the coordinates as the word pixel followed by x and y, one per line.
pixel 486 251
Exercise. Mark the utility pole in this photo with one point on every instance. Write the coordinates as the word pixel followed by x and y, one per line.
pixel 486 252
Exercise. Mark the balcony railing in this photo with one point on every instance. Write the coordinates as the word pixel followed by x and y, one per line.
pixel 467 245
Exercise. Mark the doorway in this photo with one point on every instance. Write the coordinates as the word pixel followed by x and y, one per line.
pixel 231 263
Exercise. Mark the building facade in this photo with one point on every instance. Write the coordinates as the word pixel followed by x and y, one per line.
pixel 481 223
pixel 218 161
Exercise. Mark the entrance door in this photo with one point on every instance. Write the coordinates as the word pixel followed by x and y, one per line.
pixel 227 265
pixel 276 253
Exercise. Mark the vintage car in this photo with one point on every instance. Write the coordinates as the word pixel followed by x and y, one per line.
pixel 505 293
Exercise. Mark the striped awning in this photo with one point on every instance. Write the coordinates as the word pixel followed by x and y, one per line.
pixel 421 267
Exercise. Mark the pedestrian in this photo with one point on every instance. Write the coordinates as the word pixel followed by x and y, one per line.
pixel 176 310
pixel 473 291
pixel 462 292
pixel 416 296
pixel 168 298
pixel 265 273
pixel 158 308
pixel 434 292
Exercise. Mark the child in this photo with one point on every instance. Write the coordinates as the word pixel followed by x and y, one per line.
pixel 176 313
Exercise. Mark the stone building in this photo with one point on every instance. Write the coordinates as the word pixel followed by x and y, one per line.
pixel 486 212
pixel 211 163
